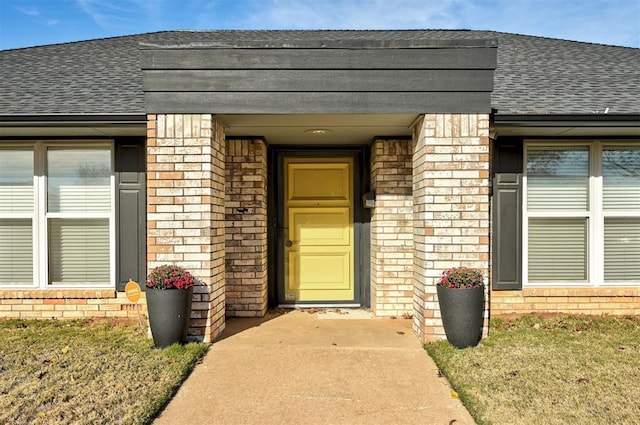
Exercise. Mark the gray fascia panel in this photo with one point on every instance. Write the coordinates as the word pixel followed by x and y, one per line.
pixel 284 80
pixel 318 77
pixel 65 119
pixel 318 103
pixel 344 59
pixel 427 43
pixel 596 120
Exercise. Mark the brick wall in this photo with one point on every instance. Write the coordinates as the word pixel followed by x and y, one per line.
pixel 621 301
pixel 246 228
pixel 68 304
pixel 451 206
pixel 185 209
pixel 392 228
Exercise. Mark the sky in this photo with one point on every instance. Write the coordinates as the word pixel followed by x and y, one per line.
pixel 25 23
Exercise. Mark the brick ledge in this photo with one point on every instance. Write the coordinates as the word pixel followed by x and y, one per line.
pixel 582 292
pixel 57 293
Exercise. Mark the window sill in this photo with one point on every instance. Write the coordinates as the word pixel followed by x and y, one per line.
pixel 57 293
pixel 613 291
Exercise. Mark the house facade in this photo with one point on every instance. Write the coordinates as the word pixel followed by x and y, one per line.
pixel 320 168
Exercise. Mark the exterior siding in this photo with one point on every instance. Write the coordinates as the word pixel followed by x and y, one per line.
pixel 451 207
pixel 68 304
pixel 185 209
pixel 322 76
pixel 246 228
pixel 392 228
pixel 616 301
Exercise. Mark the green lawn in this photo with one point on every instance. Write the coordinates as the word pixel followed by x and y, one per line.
pixel 553 370
pixel 63 372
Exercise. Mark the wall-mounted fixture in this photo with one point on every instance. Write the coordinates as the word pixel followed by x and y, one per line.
pixel 369 200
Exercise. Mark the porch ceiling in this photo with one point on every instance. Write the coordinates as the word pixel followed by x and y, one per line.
pixel 340 129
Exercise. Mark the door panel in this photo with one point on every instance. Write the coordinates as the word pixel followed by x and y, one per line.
pixel 319 249
pixel 319 183
pixel 317 226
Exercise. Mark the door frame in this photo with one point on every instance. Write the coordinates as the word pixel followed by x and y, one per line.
pixel 361 221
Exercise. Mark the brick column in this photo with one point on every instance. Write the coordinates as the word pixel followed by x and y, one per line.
pixel 392 228
pixel 185 209
pixel 451 207
pixel 246 228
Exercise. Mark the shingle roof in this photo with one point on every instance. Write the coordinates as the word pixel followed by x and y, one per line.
pixel 535 75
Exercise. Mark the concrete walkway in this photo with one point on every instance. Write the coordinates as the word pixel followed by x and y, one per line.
pixel 316 368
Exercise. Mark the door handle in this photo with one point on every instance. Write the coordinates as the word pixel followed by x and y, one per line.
pixel 288 243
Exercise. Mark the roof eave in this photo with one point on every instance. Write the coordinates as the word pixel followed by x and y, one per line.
pixel 566 126
pixel 597 120
pixel 66 120
pixel 71 126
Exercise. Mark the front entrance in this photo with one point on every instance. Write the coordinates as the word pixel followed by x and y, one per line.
pixel 318 230
pixel 318 253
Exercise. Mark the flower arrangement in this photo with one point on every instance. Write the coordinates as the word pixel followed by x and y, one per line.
pixel 461 277
pixel 170 277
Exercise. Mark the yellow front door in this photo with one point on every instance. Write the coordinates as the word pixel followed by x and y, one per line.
pixel 319 252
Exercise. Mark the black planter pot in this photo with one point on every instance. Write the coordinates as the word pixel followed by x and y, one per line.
pixel 169 315
pixel 461 310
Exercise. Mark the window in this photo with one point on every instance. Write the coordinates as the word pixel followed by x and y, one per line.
pixel 56 215
pixel 582 214
pixel 17 215
pixel 621 211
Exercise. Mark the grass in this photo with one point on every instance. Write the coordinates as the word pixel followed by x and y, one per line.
pixel 80 372
pixel 549 370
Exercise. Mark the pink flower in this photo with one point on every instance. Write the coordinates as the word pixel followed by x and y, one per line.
pixel 170 277
pixel 461 277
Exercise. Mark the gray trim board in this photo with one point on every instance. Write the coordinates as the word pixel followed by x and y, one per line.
pixel 317 103
pixel 318 80
pixel 477 58
pixel 65 119
pixel 367 76
pixel 595 119
pixel 322 43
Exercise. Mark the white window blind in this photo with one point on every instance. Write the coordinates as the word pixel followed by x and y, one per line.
pixel 557 249
pixel 16 216
pixel 16 181
pixel 78 207
pixel 558 179
pixel 78 180
pixel 16 198
pixel 622 249
pixel 621 179
pixel 79 251
pixel 16 251
pixel 621 195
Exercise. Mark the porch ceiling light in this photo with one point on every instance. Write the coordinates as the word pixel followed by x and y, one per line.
pixel 318 131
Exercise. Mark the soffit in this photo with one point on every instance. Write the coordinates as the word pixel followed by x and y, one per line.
pixel 601 125
pixel 340 129
pixel 344 129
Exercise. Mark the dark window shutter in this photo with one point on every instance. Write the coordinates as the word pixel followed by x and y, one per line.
pixel 507 217
pixel 130 211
